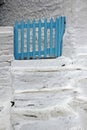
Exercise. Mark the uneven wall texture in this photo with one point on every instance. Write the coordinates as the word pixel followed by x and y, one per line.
pixel 57 99
pixel 29 9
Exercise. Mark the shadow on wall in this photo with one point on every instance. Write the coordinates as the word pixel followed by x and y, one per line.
pixel 29 9
pixel 2 2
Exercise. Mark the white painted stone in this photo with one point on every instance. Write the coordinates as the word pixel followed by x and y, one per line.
pixel 5 78
pixel 47 94
pixel 5 117
pixel 65 122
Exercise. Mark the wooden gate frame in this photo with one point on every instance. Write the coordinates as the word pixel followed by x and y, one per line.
pixel 48 52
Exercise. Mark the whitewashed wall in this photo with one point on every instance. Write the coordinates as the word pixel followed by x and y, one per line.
pixel 67 77
pixel 29 9
pixel 75 12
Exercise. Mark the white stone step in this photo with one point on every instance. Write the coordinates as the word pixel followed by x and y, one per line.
pixel 38 75
pixel 41 63
pixel 58 123
pixel 33 81
pixel 45 99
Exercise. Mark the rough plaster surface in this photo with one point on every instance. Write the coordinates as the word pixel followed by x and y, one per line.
pixel 49 94
pixel 52 97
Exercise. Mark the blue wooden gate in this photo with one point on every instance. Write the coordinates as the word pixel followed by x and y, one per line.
pixel 42 39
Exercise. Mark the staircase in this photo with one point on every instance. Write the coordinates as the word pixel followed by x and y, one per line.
pixel 41 94
pixel 45 93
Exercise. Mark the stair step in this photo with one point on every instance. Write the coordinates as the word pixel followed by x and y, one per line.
pixel 50 123
pixel 44 99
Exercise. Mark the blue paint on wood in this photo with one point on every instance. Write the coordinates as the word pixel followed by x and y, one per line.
pixel 61 25
pixel 51 37
pixel 59 35
pixel 45 38
pixel 37 25
pixel 33 39
pixel 16 40
pixel 54 50
pixel 28 39
pixel 39 39
pixel 56 37
pixel 22 39
pixel 36 52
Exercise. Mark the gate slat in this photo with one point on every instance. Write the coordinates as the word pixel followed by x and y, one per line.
pixel 56 38
pixel 45 38
pixel 28 39
pixel 22 39
pixel 39 38
pixel 61 32
pixel 59 35
pixel 33 39
pixel 16 40
pixel 51 36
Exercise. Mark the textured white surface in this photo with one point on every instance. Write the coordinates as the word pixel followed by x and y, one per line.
pixel 48 94
pixel 6 46
pixel 53 99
